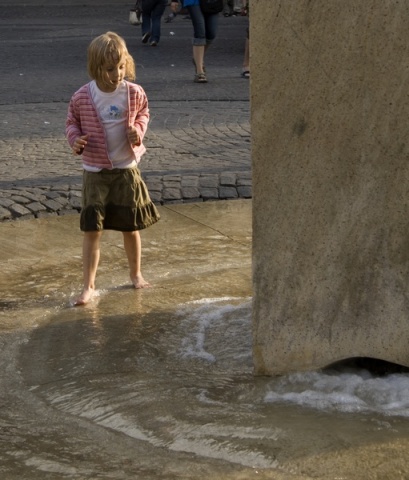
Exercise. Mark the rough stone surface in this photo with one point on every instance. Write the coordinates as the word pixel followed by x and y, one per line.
pixel 330 182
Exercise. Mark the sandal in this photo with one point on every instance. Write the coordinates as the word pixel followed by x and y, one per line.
pixel 245 73
pixel 200 78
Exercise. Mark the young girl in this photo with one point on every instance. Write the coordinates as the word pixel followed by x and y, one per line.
pixel 106 123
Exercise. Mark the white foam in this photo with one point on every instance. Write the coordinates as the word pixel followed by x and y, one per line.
pixel 210 315
pixel 214 300
pixel 221 327
pixel 347 392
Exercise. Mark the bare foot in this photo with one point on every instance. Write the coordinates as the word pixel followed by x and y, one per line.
pixel 139 282
pixel 85 297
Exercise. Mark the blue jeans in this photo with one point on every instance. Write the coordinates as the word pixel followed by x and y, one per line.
pixel 204 26
pixel 152 11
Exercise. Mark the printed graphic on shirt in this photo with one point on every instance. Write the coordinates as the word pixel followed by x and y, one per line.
pixel 112 112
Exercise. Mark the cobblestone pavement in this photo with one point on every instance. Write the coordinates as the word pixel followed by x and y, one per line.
pixel 198 141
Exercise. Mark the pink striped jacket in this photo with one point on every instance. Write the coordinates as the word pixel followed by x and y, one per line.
pixel 83 119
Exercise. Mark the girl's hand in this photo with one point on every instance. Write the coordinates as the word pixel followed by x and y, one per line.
pixel 133 136
pixel 79 144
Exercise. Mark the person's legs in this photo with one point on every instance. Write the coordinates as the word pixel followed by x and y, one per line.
pixel 206 27
pixel 132 244
pixel 199 41
pixel 226 8
pixel 147 7
pixel 236 6
pixel 198 58
pixel 156 16
pixel 90 259
pixel 198 22
pixel 246 59
pixel 211 26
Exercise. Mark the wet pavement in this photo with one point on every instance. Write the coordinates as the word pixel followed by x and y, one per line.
pixel 198 141
pixel 196 251
pixel 157 384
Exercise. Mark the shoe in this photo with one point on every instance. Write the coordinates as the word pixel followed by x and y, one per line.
pixel 245 73
pixel 170 17
pixel 200 78
pixel 146 37
pixel 153 43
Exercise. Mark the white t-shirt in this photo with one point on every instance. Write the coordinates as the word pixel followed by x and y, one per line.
pixel 112 110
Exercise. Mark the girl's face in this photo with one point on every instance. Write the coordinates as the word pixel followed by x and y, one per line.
pixel 112 74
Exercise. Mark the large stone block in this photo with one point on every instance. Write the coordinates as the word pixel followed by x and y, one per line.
pixel 330 110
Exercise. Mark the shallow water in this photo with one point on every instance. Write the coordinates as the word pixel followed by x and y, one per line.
pixel 158 383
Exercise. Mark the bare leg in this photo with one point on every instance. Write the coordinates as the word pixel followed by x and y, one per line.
pixel 132 244
pixel 90 260
pixel 246 59
pixel 198 57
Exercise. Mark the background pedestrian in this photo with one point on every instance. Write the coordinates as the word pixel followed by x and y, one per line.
pixel 204 32
pixel 152 12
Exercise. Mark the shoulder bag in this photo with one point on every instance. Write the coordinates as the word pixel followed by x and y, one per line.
pixel 136 13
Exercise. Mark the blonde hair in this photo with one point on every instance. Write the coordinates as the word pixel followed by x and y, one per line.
pixel 105 48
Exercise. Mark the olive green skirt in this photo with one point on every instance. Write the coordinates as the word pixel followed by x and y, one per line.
pixel 116 199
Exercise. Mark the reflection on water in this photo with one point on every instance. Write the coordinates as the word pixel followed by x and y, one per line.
pixel 184 382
